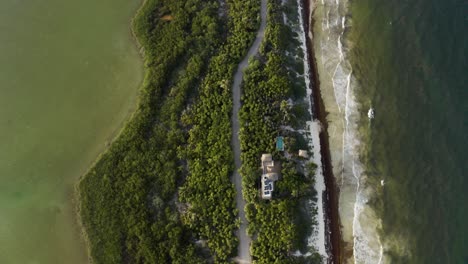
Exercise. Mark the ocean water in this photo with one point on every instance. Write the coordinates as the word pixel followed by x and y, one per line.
pixel 402 175
pixel 410 62
pixel 69 76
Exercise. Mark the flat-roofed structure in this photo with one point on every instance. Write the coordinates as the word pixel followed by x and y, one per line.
pixel 303 153
pixel 270 174
pixel 267 187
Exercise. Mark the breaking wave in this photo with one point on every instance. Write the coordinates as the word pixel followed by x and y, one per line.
pixel 338 85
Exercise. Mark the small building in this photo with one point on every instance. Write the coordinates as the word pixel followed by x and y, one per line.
pixel 270 174
pixel 303 154
pixel 267 161
pixel 267 187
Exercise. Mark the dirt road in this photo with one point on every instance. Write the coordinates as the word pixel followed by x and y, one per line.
pixel 244 239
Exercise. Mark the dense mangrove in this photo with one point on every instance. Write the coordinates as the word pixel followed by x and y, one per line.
pixel 162 192
pixel 131 207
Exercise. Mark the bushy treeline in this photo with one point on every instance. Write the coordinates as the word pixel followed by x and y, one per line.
pixel 129 200
pixel 208 189
pixel 274 224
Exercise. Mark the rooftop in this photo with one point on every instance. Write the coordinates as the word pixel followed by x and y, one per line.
pixel 267 187
pixel 270 174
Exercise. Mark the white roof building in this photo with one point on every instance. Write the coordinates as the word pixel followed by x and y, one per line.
pixel 269 176
pixel 303 153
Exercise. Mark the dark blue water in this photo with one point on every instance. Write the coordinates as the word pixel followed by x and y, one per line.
pixel 410 58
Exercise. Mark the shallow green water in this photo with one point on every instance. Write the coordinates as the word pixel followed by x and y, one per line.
pixel 410 58
pixel 69 74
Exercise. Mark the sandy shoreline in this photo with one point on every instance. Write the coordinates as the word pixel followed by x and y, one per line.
pixel 332 225
pixel 330 199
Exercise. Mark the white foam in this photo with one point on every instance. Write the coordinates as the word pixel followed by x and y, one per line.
pixel 380 253
pixel 363 223
pixel 285 19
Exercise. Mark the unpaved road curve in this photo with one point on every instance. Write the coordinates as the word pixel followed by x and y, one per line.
pixel 244 239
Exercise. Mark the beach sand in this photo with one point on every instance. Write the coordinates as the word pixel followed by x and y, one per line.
pixel 331 194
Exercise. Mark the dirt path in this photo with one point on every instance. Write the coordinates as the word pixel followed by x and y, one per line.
pixel 244 239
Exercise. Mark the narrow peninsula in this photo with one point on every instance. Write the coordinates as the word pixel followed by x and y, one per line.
pixel 225 89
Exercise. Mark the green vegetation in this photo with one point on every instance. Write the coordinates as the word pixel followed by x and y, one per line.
pixel 129 199
pixel 162 192
pixel 208 188
pixel 267 87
